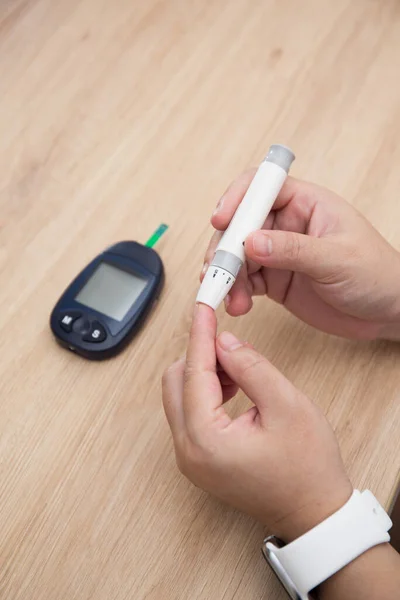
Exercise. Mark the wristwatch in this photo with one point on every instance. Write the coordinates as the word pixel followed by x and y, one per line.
pixel 315 556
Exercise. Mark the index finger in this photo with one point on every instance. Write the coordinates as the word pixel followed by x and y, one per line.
pixel 202 389
pixel 231 199
pixel 292 190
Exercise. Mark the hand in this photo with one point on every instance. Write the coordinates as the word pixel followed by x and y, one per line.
pixel 318 257
pixel 279 461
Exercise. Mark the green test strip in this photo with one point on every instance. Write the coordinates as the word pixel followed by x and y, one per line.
pixel 152 241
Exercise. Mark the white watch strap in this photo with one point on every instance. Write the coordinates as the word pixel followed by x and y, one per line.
pixel 315 556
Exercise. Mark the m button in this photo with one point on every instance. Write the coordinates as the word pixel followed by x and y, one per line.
pixel 67 320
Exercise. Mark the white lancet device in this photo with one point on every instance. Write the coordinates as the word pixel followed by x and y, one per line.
pixel 249 216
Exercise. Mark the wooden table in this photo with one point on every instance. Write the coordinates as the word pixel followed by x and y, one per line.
pixel 114 117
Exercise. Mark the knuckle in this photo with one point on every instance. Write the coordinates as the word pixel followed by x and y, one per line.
pixel 352 253
pixel 252 364
pixel 292 247
pixel 348 258
pixel 171 373
pixel 191 369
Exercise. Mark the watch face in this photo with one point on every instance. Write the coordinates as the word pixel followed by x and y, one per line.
pixel 268 551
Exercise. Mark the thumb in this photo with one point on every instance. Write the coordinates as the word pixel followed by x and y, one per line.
pixel 316 257
pixel 270 391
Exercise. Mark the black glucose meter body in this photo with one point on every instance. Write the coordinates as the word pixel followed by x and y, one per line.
pixel 105 305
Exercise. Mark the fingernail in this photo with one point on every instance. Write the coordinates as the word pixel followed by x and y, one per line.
pixel 219 206
pixel 204 269
pixel 228 341
pixel 227 300
pixel 262 245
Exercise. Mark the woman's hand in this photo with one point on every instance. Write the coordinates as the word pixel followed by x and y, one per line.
pixel 318 257
pixel 279 461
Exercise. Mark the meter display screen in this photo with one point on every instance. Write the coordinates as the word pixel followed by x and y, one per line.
pixel 111 291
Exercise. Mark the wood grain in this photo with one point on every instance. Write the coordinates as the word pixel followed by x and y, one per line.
pixel 114 117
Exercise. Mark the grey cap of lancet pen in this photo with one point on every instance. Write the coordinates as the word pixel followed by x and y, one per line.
pixel 281 156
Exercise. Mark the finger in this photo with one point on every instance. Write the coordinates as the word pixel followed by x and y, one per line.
pixel 231 199
pixel 253 267
pixel 201 348
pixel 316 257
pixel 259 284
pixel 303 193
pixel 172 396
pixel 202 389
pixel 295 218
pixel 239 301
pixel 225 381
pixel 224 378
pixel 223 214
pixel 270 391
pixel 209 255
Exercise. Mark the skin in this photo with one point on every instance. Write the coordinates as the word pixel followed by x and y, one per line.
pixel 284 438
pixel 280 461
pixel 320 258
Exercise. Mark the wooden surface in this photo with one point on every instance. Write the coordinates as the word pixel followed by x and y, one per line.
pixel 114 117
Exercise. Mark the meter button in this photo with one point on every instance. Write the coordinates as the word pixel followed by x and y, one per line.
pixel 67 320
pixel 96 334
pixel 82 325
